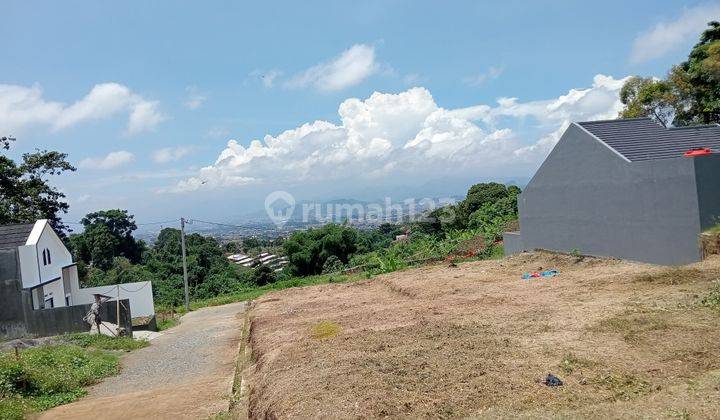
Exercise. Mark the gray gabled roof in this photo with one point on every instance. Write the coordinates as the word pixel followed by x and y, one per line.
pixel 12 236
pixel 644 139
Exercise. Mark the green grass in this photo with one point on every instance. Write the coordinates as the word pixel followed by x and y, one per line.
pixel 386 264
pixel 714 229
pixel 104 342
pixel 255 292
pixel 43 377
pixel 712 299
pixel 167 323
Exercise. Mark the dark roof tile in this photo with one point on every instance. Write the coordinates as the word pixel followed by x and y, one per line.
pixel 644 139
pixel 12 236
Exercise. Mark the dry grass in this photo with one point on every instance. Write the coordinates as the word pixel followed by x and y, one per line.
pixel 325 329
pixel 627 339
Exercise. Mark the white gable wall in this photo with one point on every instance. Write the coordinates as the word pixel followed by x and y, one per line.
pixel 59 255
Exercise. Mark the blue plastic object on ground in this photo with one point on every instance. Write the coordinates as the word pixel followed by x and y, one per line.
pixel 546 273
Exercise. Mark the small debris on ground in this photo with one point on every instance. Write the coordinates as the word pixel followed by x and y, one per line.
pixel 552 380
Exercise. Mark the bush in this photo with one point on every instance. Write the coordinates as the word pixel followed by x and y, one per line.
pixel 332 265
pixel 43 377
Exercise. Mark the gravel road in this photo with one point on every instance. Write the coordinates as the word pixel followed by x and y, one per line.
pixel 185 373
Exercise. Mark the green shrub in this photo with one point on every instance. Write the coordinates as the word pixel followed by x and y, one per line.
pixel 43 377
pixel 712 299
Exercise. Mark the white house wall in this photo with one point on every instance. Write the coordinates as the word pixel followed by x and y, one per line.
pixel 55 291
pixel 59 255
pixel 139 293
pixel 29 270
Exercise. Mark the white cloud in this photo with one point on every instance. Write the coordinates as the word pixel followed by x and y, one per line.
pixel 111 161
pixel 22 107
pixel 144 117
pixel 170 154
pixel 479 79
pixel 408 136
pixel 351 67
pixel 668 36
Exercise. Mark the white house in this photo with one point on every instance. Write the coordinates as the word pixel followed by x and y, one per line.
pixel 47 270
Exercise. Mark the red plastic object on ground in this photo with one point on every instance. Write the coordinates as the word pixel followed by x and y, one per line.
pixel 698 152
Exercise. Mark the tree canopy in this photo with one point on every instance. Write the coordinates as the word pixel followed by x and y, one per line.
pixel 25 194
pixel 107 235
pixel 690 94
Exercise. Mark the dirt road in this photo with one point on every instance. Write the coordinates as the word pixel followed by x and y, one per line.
pixel 186 373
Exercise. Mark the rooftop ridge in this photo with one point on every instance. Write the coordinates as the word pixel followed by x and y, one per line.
pixel 616 120
pixel 688 127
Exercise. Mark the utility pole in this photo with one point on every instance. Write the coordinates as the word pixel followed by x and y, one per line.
pixel 184 260
pixel 117 310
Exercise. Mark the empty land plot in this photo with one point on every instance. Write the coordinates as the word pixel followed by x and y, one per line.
pixel 627 339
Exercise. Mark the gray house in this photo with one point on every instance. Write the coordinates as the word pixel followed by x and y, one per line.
pixel 626 189
pixel 40 294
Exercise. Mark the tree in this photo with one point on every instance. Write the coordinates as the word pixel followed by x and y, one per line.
pixel 308 250
pixel 697 81
pixel 645 96
pixel 689 95
pixel 25 194
pixel 107 234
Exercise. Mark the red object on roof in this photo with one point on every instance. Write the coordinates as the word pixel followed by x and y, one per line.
pixel 698 152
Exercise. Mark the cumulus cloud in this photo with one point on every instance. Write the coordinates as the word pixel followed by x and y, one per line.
pixel 479 79
pixel 668 36
pixel 170 154
pixel 22 107
pixel 407 135
pixel 195 99
pixel 111 161
pixel 351 67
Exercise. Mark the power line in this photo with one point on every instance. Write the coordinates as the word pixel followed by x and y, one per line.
pixel 223 224
pixel 136 224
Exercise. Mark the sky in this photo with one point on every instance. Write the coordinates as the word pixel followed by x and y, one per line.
pixel 201 109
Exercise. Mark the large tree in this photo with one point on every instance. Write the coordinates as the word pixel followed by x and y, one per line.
pixel 25 194
pixel 690 94
pixel 107 234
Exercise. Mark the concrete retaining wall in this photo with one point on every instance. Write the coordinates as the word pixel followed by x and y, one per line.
pixel 512 243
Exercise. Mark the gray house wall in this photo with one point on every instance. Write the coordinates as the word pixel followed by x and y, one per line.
pixel 588 198
pixel 707 175
pixel 18 318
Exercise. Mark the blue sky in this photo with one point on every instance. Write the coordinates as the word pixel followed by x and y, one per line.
pixel 145 96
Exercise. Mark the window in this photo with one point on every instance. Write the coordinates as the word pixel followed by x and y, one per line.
pixel 46 257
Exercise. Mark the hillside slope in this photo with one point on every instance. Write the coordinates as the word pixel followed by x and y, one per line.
pixel 476 340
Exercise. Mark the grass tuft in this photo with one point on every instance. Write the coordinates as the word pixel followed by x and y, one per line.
pixel 104 342
pixel 672 276
pixel 570 363
pixel 631 325
pixel 624 386
pixel 325 329
pixel 712 299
